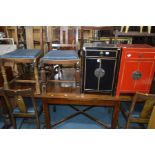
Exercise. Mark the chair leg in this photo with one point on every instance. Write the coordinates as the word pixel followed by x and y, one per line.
pixel 127 124
pixel 37 122
pixel 14 122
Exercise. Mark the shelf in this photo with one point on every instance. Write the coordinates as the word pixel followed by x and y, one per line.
pixel 97 27
pixel 133 33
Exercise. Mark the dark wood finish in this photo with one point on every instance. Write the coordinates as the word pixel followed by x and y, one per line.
pixel 83 99
pixel 58 94
pixel 72 96
pixel 45 80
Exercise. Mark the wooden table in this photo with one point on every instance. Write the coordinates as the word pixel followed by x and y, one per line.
pixel 75 98
pixel 82 99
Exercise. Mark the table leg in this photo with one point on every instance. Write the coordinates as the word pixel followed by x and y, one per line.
pixel 43 78
pixel 47 114
pixel 115 115
pixel 36 78
pixel 77 76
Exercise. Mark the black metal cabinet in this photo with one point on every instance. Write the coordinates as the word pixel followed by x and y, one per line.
pixel 100 69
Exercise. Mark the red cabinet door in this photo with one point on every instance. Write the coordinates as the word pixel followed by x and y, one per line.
pixel 128 83
pixel 146 68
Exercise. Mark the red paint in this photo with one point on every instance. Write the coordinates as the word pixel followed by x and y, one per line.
pixel 136 58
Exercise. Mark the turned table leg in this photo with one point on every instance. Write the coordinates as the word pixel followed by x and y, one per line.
pixel 43 78
pixel 36 78
pixel 77 74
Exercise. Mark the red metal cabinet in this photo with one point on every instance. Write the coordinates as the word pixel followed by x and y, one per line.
pixel 137 68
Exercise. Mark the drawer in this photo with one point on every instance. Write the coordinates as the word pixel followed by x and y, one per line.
pixel 101 53
pixel 139 55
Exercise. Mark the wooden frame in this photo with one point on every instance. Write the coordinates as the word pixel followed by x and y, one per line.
pixel 21 61
pixel 58 62
pixel 19 102
pixel 83 99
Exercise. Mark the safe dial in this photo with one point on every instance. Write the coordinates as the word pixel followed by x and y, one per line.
pixel 99 72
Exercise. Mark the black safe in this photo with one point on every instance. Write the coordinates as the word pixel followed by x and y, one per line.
pixel 100 68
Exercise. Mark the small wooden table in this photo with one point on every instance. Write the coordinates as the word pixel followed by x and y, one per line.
pixel 22 56
pixel 83 99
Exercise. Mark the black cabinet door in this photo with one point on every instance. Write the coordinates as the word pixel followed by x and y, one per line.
pixel 99 74
pixel 91 81
pixel 106 81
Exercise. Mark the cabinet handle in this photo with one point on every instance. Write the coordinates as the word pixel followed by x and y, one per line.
pixel 136 75
pixel 99 72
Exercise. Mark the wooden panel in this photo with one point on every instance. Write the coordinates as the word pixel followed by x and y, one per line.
pixel 56 34
pixel 29 37
pixel 49 33
pixel 127 81
pixel 146 69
